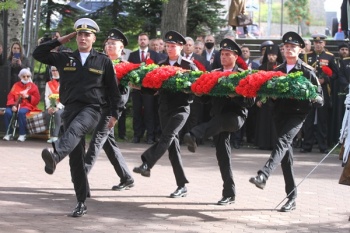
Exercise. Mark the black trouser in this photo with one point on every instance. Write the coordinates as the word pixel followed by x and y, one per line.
pixel 77 122
pixel 318 130
pixel 122 124
pixel 287 127
pixel 171 123
pixel 143 114
pixel 104 137
pixel 220 126
pixel 195 117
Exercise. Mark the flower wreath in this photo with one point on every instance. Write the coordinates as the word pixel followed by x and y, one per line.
pixel 249 83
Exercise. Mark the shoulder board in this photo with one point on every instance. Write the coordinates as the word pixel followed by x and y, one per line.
pixel 329 53
pixel 102 54
pixel 279 65
pixel 307 65
pixel 64 51
pixel 162 61
pixel 186 60
pixel 347 58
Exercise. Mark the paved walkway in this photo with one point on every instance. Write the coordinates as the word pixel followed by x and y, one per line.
pixel 32 201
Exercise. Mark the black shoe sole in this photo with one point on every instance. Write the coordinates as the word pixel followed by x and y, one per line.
pixel 226 203
pixel 49 162
pixel 285 211
pixel 252 180
pixel 142 172
pixel 191 145
pixel 126 187
pixel 178 196
pixel 78 215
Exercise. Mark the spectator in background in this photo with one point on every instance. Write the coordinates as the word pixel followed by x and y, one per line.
pixel 143 105
pixel 161 45
pixel 17 61
pixel 198 47
pixel 305 50
pixel 265 134
pixel 281 47
pixel 156 46
pixel 210 54
pixel 200 39
pixel 23 98
pixel 246 57
pixel 237 7
pixel 53 112
pixel 339 89
pixel 262 51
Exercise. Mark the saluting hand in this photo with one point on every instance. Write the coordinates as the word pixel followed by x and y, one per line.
pixel 66 38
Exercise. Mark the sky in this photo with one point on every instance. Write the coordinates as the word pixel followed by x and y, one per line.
pixel 333 5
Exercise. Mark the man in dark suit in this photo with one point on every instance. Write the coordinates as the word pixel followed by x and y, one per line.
pixel 210 54
pixel 143 105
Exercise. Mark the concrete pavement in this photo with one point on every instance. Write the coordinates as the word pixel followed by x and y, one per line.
pixel 32 201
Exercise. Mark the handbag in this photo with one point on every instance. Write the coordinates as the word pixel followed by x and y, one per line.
pixel 36 123
pixel 244 20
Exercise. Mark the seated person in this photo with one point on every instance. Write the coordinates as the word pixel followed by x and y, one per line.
pixel 23 98
pixel 54 108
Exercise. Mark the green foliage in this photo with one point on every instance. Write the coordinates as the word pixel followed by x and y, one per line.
pixel 204 13
pixel 9 4
pixel 298 10
pixel 276 13
pixel 134 17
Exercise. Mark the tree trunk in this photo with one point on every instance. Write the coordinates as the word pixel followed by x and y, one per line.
pixel 174 16
pixel 15 23
pixel 305 30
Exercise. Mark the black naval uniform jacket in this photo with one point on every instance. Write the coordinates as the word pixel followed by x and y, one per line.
pixel 294 106
pixel 174 100
pixel 237 105
pixel 88 84
pixel 317 61
pixel 345 80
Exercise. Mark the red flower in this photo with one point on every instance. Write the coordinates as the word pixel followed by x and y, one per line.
pixel 250 85
pixel 207 81
pixel 122 68
pixel 241 63
pixel 327 71
pixel 199 65
pixel 149 61
pixel 155 78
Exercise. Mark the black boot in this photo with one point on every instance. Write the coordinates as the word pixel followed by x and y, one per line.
pixel 79 210
pixel 51 159
pixel 259 181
